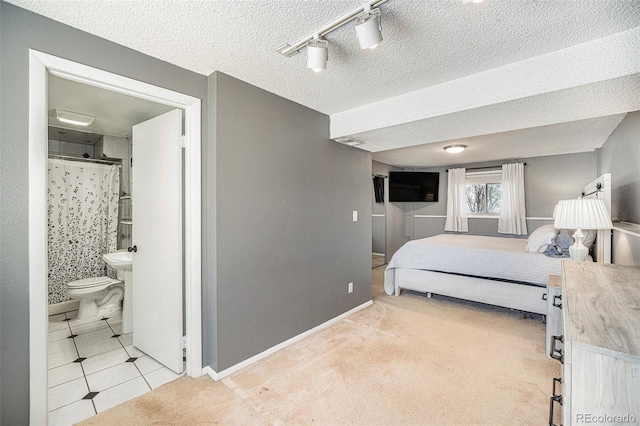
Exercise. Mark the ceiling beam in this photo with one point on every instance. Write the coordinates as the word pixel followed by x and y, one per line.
pixel 596 61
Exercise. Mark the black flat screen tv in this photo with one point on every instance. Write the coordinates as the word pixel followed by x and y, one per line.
pixel 414 186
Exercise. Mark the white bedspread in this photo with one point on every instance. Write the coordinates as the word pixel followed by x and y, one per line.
pixel 489 257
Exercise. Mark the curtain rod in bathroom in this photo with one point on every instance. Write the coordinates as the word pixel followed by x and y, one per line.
pixel 116 161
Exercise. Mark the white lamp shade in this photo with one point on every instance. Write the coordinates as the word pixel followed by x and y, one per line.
pixel 582 214
pixel 317 55
pixel 368 29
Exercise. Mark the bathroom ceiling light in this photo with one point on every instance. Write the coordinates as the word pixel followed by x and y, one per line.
pixel 317 54
pixel 73 117
pixel 369 29
pixel 455 149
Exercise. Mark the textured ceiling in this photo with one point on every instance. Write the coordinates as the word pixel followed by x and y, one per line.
pixel 606 98
pixel 428 44
pixel 577 136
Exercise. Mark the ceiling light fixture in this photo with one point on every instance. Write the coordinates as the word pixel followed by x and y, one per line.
pixel 455 149
pixel 317 54
pixel 73 117
pixel 368 30
pixel 347 140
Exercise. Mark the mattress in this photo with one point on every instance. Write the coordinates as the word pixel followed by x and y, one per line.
pixel 478 256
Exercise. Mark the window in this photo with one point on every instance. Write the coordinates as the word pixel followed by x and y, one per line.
pixel 484 192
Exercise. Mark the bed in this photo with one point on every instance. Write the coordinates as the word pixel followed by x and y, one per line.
pixel 492 270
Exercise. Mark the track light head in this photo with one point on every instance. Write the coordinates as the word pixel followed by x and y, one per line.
pixel 369 29
pixel 317 54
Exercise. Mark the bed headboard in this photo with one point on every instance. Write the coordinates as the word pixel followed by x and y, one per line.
pixel 601 189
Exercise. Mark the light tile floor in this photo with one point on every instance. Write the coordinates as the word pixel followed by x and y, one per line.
pixel 93 367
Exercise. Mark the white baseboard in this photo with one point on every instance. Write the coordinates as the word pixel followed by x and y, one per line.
pixel 224 373
pixel 59 308
pixel 377 254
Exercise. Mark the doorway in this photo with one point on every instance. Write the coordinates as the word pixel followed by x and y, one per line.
pixel 40 66
pixel 379 221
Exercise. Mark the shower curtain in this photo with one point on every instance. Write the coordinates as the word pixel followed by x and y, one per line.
pixel 83 222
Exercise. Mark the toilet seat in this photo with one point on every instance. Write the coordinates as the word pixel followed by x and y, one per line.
pixel 87 283
pixel 98 296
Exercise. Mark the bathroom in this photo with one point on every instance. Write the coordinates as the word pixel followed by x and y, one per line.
pixel 93 362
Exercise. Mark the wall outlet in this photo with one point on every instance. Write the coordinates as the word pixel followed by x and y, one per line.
pixel 355 215
pixel 350 287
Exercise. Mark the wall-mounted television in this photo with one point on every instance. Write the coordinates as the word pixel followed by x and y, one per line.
pixel 414 186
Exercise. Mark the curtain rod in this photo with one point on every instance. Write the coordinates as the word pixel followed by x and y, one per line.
pixel 116 161
pixel 483 168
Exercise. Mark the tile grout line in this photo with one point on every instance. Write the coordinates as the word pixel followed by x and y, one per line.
pixel 83 372
pixel 106 389
pixel 134 364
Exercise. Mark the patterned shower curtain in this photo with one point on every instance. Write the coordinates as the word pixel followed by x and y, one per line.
pixel 83 222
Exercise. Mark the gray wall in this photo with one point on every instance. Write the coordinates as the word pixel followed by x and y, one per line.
pixel 21 30
pixel 286 243
pixel 625 248
pixel 395 219
pixel 547 180
pixel 620 156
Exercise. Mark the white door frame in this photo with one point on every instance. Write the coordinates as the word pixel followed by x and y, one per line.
pixel 40 64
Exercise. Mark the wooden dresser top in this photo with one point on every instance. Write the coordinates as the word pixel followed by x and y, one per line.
pixel 602 305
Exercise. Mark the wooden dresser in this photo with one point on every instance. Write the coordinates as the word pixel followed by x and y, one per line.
pixel 600 381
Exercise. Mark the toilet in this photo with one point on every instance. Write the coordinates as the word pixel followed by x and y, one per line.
pixel 98 296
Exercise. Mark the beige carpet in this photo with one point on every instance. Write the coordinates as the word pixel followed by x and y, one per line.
pixel 404 360
pixel 377 260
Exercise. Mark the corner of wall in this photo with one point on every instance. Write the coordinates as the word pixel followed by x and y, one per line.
pixel 209 229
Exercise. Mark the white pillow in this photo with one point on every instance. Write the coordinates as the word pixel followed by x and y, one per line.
pixel 541 238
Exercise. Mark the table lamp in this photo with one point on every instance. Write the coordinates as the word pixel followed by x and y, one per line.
pixel 581 214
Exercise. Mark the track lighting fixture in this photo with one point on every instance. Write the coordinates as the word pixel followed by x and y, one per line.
pixel 317 54
pixel 367 27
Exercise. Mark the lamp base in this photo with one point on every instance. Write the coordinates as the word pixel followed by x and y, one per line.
pixel 578 251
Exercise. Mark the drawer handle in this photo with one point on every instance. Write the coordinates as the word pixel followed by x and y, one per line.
pixel 557 353
pixel 544 296
pixel 554 398
pixel 555 301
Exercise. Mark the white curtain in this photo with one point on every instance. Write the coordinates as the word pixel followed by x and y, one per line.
pixel 512 212
pixel 457 201
pixel 83 222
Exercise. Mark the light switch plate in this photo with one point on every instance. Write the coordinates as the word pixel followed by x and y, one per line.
pixel 355 215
